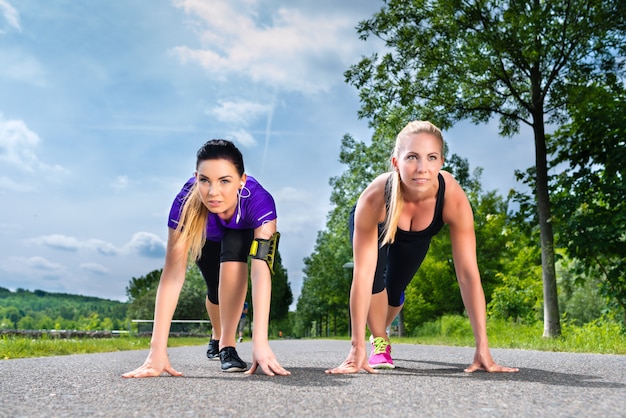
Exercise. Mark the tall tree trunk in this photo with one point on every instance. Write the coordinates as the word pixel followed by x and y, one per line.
pixel 551 317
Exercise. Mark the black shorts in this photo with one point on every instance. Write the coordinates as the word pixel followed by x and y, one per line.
pixel 235 246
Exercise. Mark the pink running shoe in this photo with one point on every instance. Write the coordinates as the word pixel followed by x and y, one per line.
pixel 380 357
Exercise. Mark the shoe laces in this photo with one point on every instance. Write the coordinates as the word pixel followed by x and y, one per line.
pixel 380 345
pixel 231 354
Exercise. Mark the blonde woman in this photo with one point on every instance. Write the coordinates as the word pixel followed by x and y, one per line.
pixel 219 218
pixel 392 225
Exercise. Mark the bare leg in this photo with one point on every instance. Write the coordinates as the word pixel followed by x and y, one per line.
pixel 214 315
pixel 232 291
pixel 392 312
pixel 379 309
pixel 377 315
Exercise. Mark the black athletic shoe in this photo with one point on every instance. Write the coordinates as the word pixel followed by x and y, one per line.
pixel 231 361
pixel 213 352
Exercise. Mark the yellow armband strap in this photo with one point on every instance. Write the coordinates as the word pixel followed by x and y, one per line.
pixel 265 249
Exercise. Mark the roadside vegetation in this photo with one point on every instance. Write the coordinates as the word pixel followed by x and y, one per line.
pixel 596 337
pixel 13 347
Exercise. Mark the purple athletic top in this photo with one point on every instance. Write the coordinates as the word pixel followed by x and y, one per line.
pixel 257 206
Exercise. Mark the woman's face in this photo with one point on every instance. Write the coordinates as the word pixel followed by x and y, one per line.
pixel 419 161
pixel 218 184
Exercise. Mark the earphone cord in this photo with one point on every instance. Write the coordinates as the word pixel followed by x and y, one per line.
pixel 239 202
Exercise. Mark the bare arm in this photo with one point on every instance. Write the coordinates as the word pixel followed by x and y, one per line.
pixel 261 278
pixel 170 284
pixel 458 214
pixel 369 213
pixel 365 253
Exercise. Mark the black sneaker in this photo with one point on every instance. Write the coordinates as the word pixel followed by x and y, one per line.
pixel 213 352
pixel 231 361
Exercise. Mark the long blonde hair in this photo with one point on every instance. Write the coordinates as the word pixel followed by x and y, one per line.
pixel 191 229
pixel 396 201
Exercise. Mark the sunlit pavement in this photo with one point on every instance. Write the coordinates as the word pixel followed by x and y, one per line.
pixel 427 381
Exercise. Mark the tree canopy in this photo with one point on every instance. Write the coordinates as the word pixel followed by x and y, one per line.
pixel 449 60
pixel 590 190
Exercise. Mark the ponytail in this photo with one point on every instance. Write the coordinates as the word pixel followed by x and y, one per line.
pixel 191 229
pixel 394 209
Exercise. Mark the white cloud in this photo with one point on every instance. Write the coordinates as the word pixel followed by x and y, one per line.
pixel 73 244
pixel 147 245
pixel 142 243
pixel 241 137
pixel 102 247
pixel 120 183
pixel 22 264
pixel 10 15
pixel 239 112
pixel 41 263
pixel 58 242
pixel 11 185
pixel 18 65
pixel 295 51
pixel 95 268
pixel 17 143
pixel 17 147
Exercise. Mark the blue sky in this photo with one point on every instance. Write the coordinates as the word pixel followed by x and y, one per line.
pixel 104 103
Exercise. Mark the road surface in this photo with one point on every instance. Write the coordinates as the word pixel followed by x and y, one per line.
pixel 429 381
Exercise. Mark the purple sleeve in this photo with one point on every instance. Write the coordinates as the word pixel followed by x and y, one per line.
pixel 259 207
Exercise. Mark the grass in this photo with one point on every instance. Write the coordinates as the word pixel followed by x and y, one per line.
pixel 597 337
pixel 12 347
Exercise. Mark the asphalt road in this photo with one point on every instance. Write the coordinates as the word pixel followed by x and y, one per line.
pixel 428 381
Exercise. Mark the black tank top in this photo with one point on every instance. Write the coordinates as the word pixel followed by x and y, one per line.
pixel 437 222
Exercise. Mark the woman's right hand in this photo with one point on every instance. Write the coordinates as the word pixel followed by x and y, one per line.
pixel 356 360
pixel 263 356
pixel 155 365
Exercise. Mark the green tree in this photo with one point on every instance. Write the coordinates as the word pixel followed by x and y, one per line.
pixel 191 302
pixel 44 322
pixel 324 297
pixel 107 324
pixel 518 297
pixel 590 191
pixel 6 323
pixel 450 60
pixel 281 299
pixel 90 322
pixel 41 306
pixel 325 291
pixel 142 307
pixel 27 323
pixel 141 285
pixel 13 314
pixel 580 297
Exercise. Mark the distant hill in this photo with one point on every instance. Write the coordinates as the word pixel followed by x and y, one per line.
pixel 25 309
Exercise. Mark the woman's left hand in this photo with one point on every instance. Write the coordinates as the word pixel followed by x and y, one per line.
pixel 262 355
pixel 484 361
